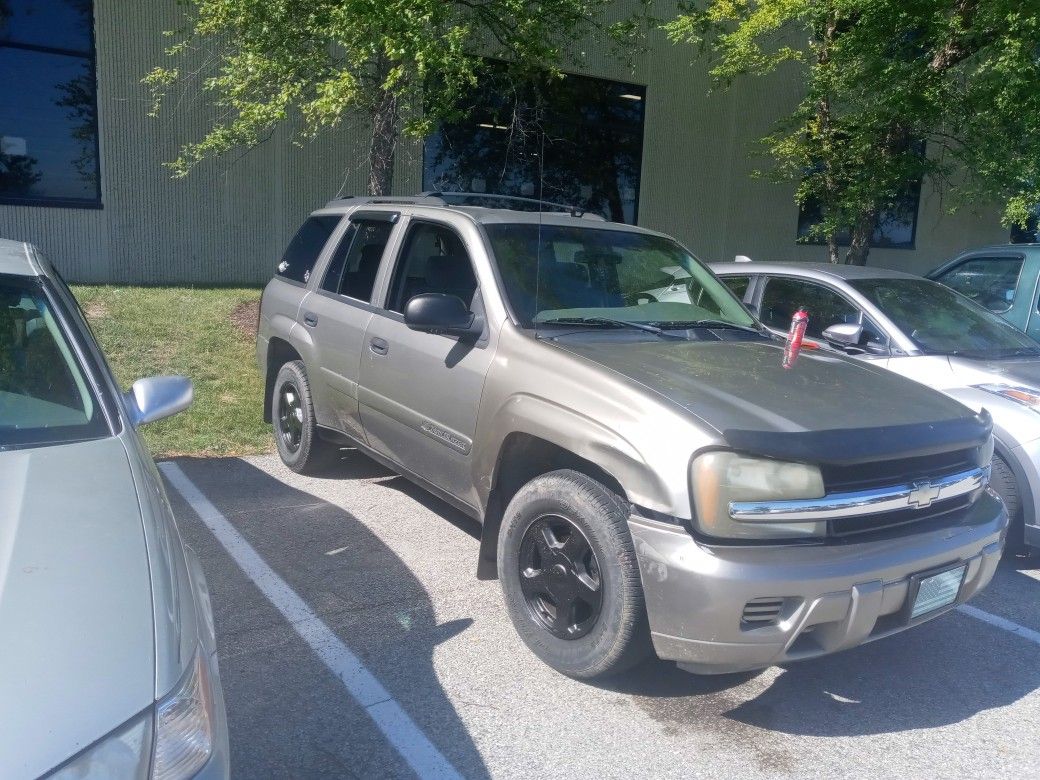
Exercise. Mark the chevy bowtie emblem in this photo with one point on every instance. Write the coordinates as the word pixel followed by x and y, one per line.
pixel 923 494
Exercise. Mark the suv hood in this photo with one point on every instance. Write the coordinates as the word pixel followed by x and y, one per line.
pixel 1014 371
pixel 742 390
pixel 75 602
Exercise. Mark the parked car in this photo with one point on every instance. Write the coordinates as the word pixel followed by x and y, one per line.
pixel 1004 279
pixel 928 333
pixel 109 663
pixel 643 469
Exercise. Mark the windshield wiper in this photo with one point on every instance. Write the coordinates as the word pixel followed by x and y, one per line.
pixel 613 323
pixel 716 324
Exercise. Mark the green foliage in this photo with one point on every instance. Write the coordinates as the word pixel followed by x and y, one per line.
pixel 881 77
pixel 309 63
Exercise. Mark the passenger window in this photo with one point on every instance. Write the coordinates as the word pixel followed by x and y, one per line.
pixel 782 297
pixel 989 281
pixel 434 260
pixel 303 251
pixel 355 263
pixel 737 284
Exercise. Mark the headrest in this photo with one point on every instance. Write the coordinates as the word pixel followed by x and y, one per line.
pixel 450 272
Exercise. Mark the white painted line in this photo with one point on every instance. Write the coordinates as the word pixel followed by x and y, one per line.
pixel 995 620
pixel 389 717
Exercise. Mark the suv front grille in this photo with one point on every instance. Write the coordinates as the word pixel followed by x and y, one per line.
pixel 847 526
pixel 883 473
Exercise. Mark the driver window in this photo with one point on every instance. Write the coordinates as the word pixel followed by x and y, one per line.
pixel 989 281
pixel 783 297
pixel 434 260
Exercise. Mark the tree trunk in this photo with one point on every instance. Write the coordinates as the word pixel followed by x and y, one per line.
pixel 859 245
pixel 832 247
pixel 384 145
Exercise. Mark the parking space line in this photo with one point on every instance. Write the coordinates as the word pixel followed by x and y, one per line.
pixel 1003 623
pixel 387 714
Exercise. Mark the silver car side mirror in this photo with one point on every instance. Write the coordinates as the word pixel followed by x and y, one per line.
pixel 156 397
pixel 844 334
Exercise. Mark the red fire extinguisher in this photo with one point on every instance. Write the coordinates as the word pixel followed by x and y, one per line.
pixel 795 336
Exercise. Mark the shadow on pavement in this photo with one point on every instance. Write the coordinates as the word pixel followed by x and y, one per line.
pixel 288 715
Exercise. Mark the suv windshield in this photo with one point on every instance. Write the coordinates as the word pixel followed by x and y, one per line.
pixel 574 274
pixel 44 395
pixel 942 322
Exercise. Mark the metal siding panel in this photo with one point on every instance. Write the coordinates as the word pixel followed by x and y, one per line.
pixel 230 219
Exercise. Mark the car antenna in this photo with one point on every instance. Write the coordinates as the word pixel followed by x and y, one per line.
pixel 538 251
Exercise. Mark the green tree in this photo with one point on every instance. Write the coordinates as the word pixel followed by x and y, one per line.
pixel 403 64
pixel 896 92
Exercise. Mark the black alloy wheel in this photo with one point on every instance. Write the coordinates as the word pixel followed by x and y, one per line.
pixel 560 577
pixel 290 416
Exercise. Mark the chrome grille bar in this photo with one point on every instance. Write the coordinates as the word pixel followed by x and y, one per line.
pixel 918 494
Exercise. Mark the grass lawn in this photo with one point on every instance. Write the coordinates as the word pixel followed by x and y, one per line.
pixel 206 334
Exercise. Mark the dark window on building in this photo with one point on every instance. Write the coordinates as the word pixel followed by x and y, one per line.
pixel 895 228
pixel 353 268
pixel 1029 233
pixel 305 248
pixel 48 104
pixel 573 140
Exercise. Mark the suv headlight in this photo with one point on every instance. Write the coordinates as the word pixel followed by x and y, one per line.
pixel 719 477
pixel 123 753
pixel 184 725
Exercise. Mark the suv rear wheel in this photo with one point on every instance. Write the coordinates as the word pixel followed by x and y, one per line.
pixel 570 576
pixel 295 429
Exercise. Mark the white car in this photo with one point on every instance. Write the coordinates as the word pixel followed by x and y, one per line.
pixel 926 332
pixel 109 665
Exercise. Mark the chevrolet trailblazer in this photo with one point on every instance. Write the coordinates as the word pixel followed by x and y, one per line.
pixel 647 474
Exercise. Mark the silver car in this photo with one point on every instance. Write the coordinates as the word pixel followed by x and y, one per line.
pixel 929 333
pixel 647 473
pixel 109 664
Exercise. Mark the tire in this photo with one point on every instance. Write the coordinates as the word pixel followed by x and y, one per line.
pixel 1002 480
pixel 295 428
pixel 596 642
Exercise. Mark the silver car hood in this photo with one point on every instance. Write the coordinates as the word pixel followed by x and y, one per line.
pixel 78 655
pixel 1015 371
pixel 743 386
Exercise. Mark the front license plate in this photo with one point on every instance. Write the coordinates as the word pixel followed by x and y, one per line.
pixel 936 591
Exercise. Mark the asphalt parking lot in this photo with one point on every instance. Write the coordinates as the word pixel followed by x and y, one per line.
pixel 355 641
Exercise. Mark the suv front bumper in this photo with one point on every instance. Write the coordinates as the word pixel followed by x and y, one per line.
pixel 833 596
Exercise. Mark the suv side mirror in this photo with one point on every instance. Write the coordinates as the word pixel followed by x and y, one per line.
pixel 156 397
pixel 443 314
pixel 844 335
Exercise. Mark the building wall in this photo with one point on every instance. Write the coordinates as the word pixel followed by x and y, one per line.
pixel 228 221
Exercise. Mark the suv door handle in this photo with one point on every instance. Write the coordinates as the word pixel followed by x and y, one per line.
pixel 378 345
pixel 310 319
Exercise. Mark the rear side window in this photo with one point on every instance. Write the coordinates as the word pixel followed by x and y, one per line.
pixel 353 268
pixel 989 281
pixel 737 284
pixel 303 251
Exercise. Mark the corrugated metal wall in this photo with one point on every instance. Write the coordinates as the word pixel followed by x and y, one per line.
pixel 229 220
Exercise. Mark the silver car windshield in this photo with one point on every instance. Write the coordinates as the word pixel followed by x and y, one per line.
pixel 45 397
pixel 567 274
pixel 943 322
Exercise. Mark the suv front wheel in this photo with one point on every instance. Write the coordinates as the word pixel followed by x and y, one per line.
pixel 570 576
pixel 295 428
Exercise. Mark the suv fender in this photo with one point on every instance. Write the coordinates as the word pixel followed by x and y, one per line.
pixel 288 341
pixel 531 435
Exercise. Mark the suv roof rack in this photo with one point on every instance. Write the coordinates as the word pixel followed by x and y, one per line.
pixel 479 199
